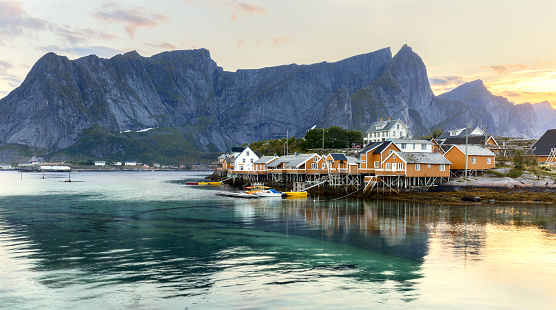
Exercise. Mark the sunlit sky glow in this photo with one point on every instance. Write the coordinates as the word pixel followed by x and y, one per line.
pixel 508 44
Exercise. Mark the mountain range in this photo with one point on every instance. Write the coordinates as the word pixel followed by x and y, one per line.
pixel 181 102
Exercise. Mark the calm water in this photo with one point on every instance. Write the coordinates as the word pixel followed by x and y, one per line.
pixel 145 240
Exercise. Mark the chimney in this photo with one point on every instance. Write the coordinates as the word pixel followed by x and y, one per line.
pixel 381 119
pixel 389 118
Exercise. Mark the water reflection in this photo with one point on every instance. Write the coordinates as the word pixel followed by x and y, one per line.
pixel 85 248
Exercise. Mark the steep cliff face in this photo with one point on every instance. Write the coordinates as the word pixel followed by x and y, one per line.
pixel 546 115
pixel 500 115
pixel 213 109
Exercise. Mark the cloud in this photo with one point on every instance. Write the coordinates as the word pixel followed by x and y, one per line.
pixel 14 21
pixel 241 43
pixel 509 93
pixel 101 51
pixel 162 45
pixel 237 8
pixel 442 84
pixel 280 41
pixel 79 36
pixel 5 66
pixel 501 69
pixel 133 18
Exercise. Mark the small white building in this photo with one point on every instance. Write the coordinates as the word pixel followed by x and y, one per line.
pixel 131 163
pixel 117 163
pixel 245 159
pixel 5 166
pixel 383 130
pixel 100 163
pixel 414 146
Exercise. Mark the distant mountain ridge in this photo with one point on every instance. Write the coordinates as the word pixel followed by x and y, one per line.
pixel 546 114
pixel 60 100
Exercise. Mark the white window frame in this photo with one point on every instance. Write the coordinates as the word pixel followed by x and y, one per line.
pixel 473 160
pixel 387 167
pixel 314 166
pixel 400 166
pixel 315 159
pixel 417 167
pixel 489 160
pixel 442 167
pixel 243 160
pixel 323 165
pixel 377 164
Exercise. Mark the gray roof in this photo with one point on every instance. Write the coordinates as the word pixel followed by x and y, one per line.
pixel 382 125
pixel 446 134
pixel 352 159
pixel 544 145
pixel 370 147
pixel 418 141
pixel 479 140
pixel 338 156
pixel 474 150
pixel 264 159
pixel 222 156
pixel 291 161
pixel 423 158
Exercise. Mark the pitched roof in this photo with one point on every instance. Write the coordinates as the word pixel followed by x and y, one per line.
pixel 338 156
pixel 382 125
pixel 424 158
pixel 474 150
pixel 382 147
pixel 417 141
pixel 544 145
pixel 353 160
pixel 370 147
pixel 461 133
pixel 264 159
pixel 290 161
pixel 237 149
pixel 470 140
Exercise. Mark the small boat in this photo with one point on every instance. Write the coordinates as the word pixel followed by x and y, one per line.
pixel 269 193
pixel 237 194
pixel 295 194
pixel 214 183
pixel 202 183
pixel 191 183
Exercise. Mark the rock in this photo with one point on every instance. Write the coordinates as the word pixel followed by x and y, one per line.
pixel 471 199
pixel 60 99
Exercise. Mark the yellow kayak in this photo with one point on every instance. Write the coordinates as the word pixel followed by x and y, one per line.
pixel 214 183
pixel 202 183
pixel 296 194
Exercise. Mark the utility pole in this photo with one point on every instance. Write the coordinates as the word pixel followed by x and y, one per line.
pixel 466 140
pixel 323 140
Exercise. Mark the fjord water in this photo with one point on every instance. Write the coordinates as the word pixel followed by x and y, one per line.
pixel 146 240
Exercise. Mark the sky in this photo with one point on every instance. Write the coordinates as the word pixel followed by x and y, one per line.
pixel 509 44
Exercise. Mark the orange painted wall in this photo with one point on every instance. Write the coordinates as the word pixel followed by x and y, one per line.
pixel 457 158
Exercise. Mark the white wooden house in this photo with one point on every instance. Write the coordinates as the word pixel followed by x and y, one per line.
pixel 386 129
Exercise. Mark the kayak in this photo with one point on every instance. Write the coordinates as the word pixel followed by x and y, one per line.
pixel 192 183
pixel 296 194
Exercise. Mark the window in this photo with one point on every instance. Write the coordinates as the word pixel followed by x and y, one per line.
pixel 423 147
pixel 240 167
pixel 247 153
pixel 488 161
pixel 413 145
pixel 244 160
pixel 400 166
pixel 394 156
pixel 251 160
pixel 314 166
pixel 315 159
pixel 323 165
pixel 398 126
pixel 377 164
pixel 387 166
pixel 417 167
pixel 403 146
pixel 442 167
pixel 393 133
pixel 390 152
pixel 473 160
pixel 429 165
